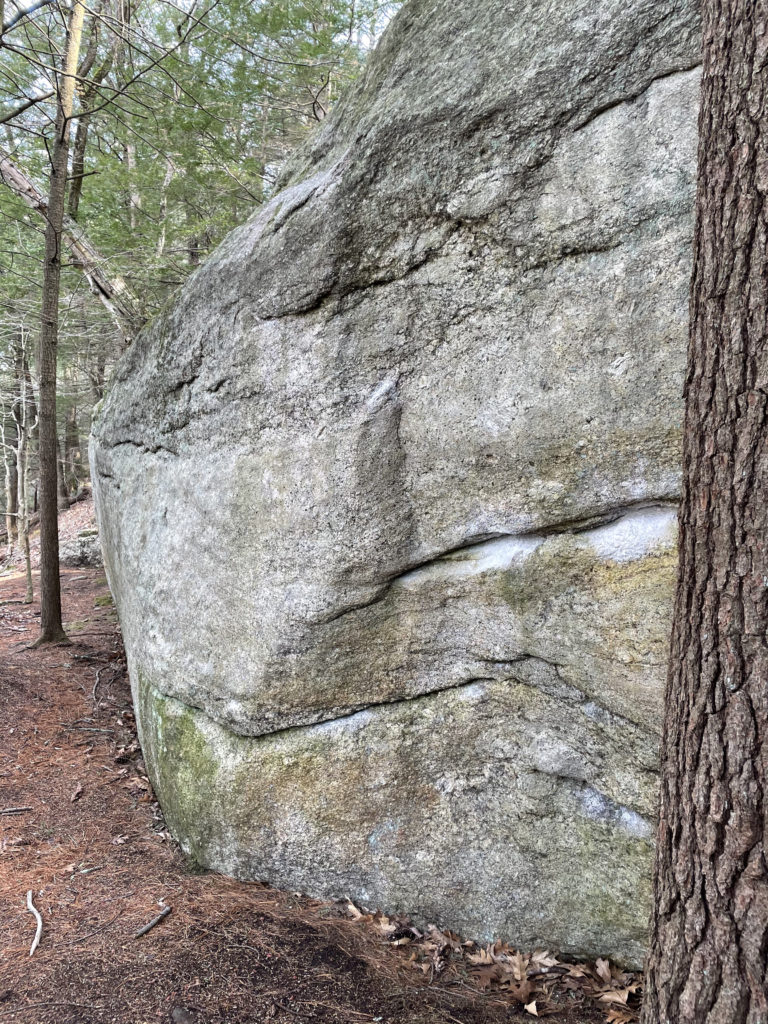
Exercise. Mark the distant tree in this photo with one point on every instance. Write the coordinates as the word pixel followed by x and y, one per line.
pixel 708 959
pixel 51 628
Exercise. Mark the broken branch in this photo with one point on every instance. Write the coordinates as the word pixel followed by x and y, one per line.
pixel 155 921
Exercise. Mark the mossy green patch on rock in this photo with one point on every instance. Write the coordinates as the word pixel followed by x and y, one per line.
pixel 184 769
pixel 385 805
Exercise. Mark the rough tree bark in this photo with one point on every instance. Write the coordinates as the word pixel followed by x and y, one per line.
pixel 709 946
pixel 51 629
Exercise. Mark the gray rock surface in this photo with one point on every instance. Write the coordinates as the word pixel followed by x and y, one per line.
pixel 81 551
pixel 387 496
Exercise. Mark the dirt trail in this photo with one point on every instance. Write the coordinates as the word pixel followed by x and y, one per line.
pixel 91 845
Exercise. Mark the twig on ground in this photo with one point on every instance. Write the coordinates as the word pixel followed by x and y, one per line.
pixel 14 810
pixel 38 933
pixel 96 684
pixel 288 1009
pixel 155 921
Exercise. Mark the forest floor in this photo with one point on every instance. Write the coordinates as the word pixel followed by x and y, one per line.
pixel 80 829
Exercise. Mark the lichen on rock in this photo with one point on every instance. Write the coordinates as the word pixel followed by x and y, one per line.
pixel 387 496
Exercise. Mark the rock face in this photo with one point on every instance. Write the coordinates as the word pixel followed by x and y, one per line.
pixel 387 496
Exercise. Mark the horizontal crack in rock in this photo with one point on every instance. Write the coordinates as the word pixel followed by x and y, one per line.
pixel 535 537
pixel 596 803
pixel 346 714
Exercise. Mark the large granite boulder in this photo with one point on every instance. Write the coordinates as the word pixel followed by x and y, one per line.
pixel 387 496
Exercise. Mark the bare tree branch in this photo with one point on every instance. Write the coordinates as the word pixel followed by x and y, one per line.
pixel 25 106
pixel 113 291
pixel 25 13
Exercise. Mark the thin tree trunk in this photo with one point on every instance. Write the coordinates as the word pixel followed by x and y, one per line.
pixel 10 450
pixel 22 453
pixel 23 475
pixel 96 369
pixel 88 90
pixel 73 462
pixel 51 629
pixel 709 947
pixel 62 486
pixel 78 168
pixel 25 418
pixel 11 494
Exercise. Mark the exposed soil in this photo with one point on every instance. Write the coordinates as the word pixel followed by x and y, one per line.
pixel 90 844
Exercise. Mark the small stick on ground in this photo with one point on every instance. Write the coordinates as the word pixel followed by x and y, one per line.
pixel 14 810
pixel 155 921
pixel 38 933
pixel 96 684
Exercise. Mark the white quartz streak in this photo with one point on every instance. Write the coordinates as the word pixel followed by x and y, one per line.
pixel 637 534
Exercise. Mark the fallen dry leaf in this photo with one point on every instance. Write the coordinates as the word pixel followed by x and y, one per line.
pixel 77 793
pixel 537 981
pixel 521 992
pixel 481 957
pixel 603 969
pixel 616 995
pixel 485 976
pixel 519 965
pixel 543 958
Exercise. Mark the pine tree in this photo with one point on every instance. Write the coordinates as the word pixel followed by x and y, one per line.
pixel 708 960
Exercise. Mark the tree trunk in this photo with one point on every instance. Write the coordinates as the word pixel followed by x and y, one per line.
pixel 51 629
pixel 11 490
pixel 11 499
pixel 61 481
pixel 24 414
pixel 708 958
pixel 10 445
pixel 96 369
pixel 78 168
pixel 22 455
pixel 73 456
pixel 22 463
